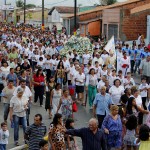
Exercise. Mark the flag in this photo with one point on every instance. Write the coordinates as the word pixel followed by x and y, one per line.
pixel 110 46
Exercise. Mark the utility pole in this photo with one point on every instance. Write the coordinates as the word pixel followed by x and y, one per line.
pixel 5 11
pixel 24 11
pixel 42 14
pixel 75 16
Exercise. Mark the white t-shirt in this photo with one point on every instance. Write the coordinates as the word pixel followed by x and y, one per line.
pixel 100 84
pixel 138 100
pixel 111 79
pixel 18 105
pixel 142 86
pixel 98 71
pixel 129 83
pixel 104 57
pixel 116 93
pixel 81 78
pixel 86 58
pixel 27 92
pixel 104 73
pixel 47 65
pixel 4 136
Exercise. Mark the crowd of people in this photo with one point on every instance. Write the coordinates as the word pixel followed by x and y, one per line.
pixel 32 70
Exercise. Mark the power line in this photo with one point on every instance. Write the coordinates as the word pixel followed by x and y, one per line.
pixel 55 3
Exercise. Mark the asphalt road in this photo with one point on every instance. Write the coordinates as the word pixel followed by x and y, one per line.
pixel 81 119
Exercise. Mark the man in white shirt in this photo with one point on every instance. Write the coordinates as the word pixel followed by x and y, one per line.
pixel 99 59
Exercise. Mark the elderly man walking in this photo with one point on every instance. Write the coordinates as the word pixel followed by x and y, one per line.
pixel 92 137
pixel 102 103
pixel 145 68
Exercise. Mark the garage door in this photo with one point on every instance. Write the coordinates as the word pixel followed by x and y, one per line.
pixel 113 30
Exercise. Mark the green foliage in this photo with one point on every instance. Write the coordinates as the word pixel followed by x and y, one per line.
pixel 29 15
pixel 30 6
pixel 19 3
pixel 110 2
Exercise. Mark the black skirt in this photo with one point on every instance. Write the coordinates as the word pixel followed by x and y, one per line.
pixel 47 102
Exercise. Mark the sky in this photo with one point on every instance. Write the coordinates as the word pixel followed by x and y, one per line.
pixel 51 3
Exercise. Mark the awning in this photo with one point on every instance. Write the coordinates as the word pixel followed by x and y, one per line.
pixel 88 21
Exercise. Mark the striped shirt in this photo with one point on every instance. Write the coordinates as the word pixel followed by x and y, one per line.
pixel 36 134
pixel 90 141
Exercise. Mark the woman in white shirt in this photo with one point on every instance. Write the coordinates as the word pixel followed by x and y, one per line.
pixel 47 67
pixel 91 83
pixel 143 92
pixel 18 107
pixel 129 82
pixel 5 69
pixel 80 80
pixel 104 56
pixel 138 99
pixel 116 91
pixel 53 65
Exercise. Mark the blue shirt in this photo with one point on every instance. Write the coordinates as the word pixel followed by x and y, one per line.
pixel 126 50
pixel 90 141
pixel 102 103
pixel 132 54
pixel 138 54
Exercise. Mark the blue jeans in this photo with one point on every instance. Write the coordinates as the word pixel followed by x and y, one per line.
pixel 2 146
pixel 6 110
pixel 16 120
pixel 60 80
pixel 137 64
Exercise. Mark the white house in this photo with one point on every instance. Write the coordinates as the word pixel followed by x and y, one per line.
pixel 56 14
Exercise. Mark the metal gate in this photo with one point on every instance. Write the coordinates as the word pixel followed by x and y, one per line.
pixel 113 30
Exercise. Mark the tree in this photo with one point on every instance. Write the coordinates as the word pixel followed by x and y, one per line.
pixel 19 3
pixel 30 6
pixel 29 15
pixel 107 2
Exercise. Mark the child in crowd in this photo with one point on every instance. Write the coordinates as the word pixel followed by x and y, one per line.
pixel 144 136
pixel 4 134
pixel 129 138
pixel 143 89
pixel 43 145
pixel 71 140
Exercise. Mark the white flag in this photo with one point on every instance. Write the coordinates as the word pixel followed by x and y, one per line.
pixel 110 46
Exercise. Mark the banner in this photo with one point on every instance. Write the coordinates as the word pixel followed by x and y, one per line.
pixel 110 46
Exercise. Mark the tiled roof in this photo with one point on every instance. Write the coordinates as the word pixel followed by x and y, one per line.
pixel 140 8
pixel 62 9
pixel 110 6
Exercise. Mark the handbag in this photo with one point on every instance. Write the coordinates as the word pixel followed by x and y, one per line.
pixel 74 107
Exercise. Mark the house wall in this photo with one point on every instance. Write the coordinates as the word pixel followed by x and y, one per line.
pixel 134 24
pixel 129 25
pixel 90 16
pixel 55 16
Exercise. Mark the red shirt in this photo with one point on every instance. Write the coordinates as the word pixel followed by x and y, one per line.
pixel 38 79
